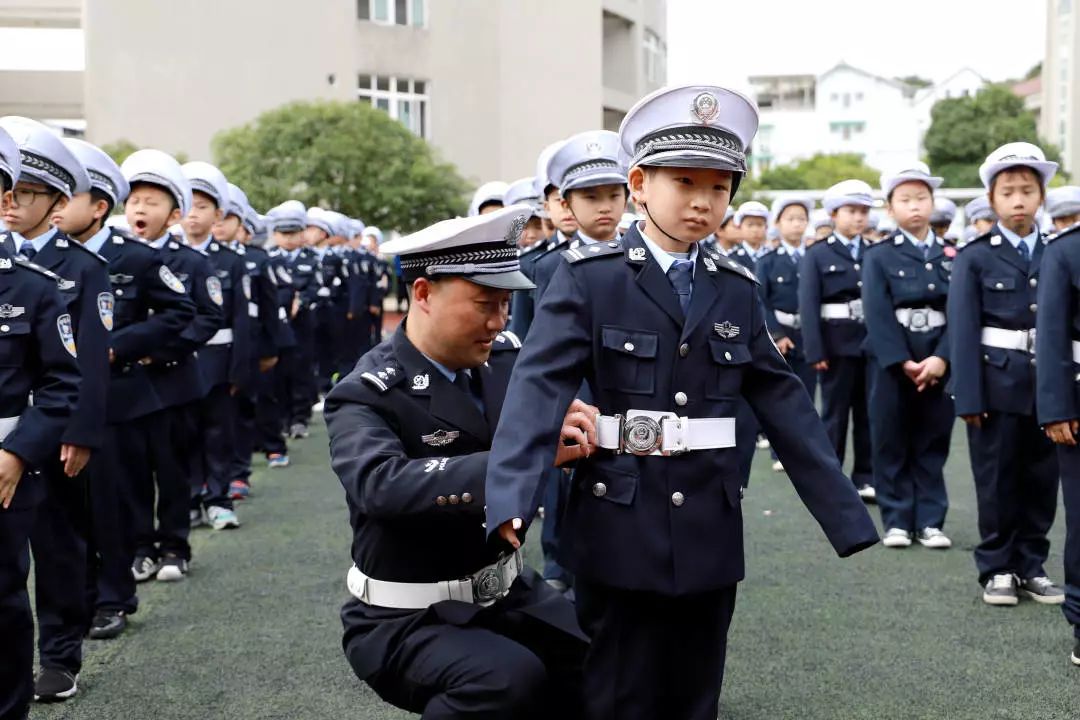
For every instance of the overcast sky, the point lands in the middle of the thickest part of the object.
(725, 41)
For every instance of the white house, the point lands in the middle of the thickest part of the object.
(846, 110)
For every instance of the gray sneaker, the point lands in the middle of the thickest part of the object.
(1001, 590)
(1043, 590)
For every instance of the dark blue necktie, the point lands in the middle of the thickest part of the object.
(27, 250)
(854, 249)
(1022, 248)
(463, 381)
(679, 274)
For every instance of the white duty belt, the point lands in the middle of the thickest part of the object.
(6, 426)
(643, 432)
(791, 320)
(1023, 340)
(481, 588)
(920, 319)
(842, 311)
(1076, 351)
(221, 337)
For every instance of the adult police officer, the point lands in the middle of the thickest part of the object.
(38, 358)
(225, 359)
(150, 309)
(441, 624)
(58, 540)
(1057, 351)
(905, 286)
(653, 528)
(991, 312)
(156, 178)
(830, 284)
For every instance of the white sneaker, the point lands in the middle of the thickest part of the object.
(763, 443)
(222, 518)
(897, 538)
(867, 493)
(934, 539)
(777, 466)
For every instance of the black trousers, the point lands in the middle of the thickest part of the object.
(303, 387)
(505, 665)
(244, 432)
(169, 452)
(213, 449)
(59, 544)
(844, 390)
(653, 656)
(270, 410)
(911, 433)
(1069, 460)
(124, 459)
(16, 620)
(1016, 482)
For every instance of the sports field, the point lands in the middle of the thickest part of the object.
(254, 631)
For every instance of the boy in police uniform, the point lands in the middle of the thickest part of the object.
(441, 622)
(653, 527)
(1063, 206)
(1057, 351)
(37, 357)
(992, 313)
(830, 285)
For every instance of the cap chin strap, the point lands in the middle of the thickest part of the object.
(657, 225)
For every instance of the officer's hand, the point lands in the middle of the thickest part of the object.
(112, 356)
(74, 458)
(1064, 432)
(508, 532)
(577, 438)
(785, 345)
(373, 309)
(267, 363)
(932, 369)
(11, 471)
(295, 306)
(349, 315)
(975, 421)
(912, 370)
(822, 366)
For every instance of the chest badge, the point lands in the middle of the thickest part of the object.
(11, 311)
(637, 254)
(421, 382)
(726, 330)
(440, 438)
(709, 264)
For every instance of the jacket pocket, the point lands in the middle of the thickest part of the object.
(628, 361)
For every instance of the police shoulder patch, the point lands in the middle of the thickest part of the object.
(595, 250)
(213, 289)
(105, 305)
(67, 334)
(170, 280)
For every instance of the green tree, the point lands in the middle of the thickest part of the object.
(964, 130)
(349, 157)
(818, 172)
(915, 81)
(119, 150)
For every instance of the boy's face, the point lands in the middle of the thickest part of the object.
(983, 225)
(314, 235)
(597, 209)
(1066, 221)
(940, 229)
(560, 216)
(792, 224)
(489, 207)
(288, 240)
(30, 205)
(911, 205)
(150, 211)
(203, 214)
(1016, 195)
(688, 203)
(851, 220)
(532, 234)
(754, 230)
(242, 235)
(227, 229)
(80, 213)
(823, 232)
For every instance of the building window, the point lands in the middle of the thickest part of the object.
(655, 56)
(847, 129)
(404, 99)
(393, 12)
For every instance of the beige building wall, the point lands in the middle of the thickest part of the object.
(1060, 117)
(40, 13)
(503, 78)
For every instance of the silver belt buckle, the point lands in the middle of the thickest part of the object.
(488, 585)
(919, 321)
(643, 435)
(856, 308)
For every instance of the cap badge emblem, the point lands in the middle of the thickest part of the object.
(594, 149)
(705, 108)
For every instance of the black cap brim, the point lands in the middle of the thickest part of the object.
(514, 280)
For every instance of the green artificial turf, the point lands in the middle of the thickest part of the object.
(253, 633)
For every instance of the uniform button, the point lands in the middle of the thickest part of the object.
(677, 499)
(466, 498)
(727, 356)
(931, 286)
(455, 500)
(779, 279)
(858, 284)
(441, 500)
(999, 286)
(1032, 361)
(832, 268)
(858, 266)
(901, 273)
(929, 266)
(1033, 282)
(680, 398)
(599, 489)
(4, 328)
(1033, 307)
(119, 292)
(629, 347)
(684, 350)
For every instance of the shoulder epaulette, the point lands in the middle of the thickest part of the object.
(596, 250)
(383, 376)
(185, 246)
(736, 267)
(1061, 233)
(88, 251)
(978, 240)
(24, 263)
(506, 340)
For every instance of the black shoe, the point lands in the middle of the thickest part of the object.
(1076, 653)
(55, 685)
(108, 624)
